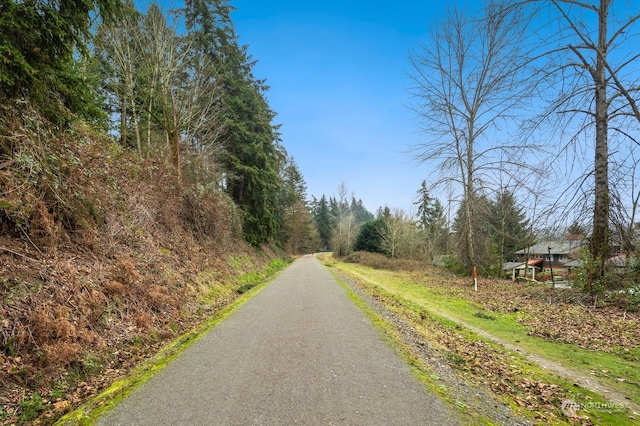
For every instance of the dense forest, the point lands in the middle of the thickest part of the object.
(187, 97)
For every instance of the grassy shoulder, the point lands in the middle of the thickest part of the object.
(239, 291)
(431, 380)
(530, 389)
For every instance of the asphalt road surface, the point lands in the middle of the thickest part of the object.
(299, 352)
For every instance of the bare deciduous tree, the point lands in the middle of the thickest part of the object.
(153, 73)
(345, 232)
(592, 54)
(397, 236)
(469, 87)
(119, 45)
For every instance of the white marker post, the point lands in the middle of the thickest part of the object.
(475, 279)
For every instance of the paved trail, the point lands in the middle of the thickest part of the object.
(299, 352)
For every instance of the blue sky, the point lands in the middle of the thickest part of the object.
(338, 72)
(339, 77)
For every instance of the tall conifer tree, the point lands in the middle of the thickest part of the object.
(252, 152)
(39, 41)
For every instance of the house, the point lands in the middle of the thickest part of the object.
(557, 255)
(522, 269)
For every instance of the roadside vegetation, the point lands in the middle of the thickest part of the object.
(142, 189)
(600, 345)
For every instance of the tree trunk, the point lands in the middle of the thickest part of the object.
(123, 121)
(600, 238)
(470, 246)
(469, 199)
(175, 142)
(136, 124)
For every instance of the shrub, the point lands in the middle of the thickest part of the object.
(628, 299)
(453, 264)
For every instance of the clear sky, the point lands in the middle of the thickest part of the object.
(338, 71)
(339, 77)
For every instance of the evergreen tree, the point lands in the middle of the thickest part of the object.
(482, 255)
(432, 224)
(370, 237)
(252, 152)
(427, 210)
(334, 211)
(39, 42)
(360, 212)
(576, 229)
(297, 234)
(323, 220)
(509, 227)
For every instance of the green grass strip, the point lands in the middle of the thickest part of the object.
(431, 381)
(416, 297)
(621, 375)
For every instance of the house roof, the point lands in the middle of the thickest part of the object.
(557, 247)
(619, 261)
(520, 265)
(511, 265)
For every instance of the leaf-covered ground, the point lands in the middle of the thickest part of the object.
(556, 315)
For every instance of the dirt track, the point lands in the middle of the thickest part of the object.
(299, 352)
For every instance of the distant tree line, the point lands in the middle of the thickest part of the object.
(338, 221)
(501, 226)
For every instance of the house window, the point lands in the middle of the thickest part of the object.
(548, 258)
(563, 258)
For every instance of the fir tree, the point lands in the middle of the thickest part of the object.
(39, 42)
(322, 217)
(370, 237)
(509, 227)
(252, 153)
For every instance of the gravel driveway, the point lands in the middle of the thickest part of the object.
(299, 352)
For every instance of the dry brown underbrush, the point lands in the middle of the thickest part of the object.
(380, 261)
(99, 253)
